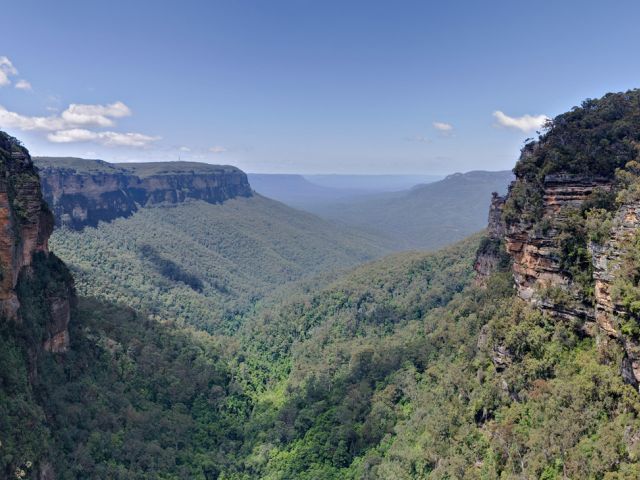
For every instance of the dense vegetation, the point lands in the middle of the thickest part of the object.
(133, 399)
(404, 368)
(205, 264)
(401, 369)
(594, 139)
(427, 216)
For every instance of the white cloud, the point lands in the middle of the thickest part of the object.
(98, 115)
(185, 149)
(23, 85)
(10, 119)
(6, 70)
(67, 127)
(72, 135)
(443, 127)
(105, 138)
(75, 123)
(525, 123)
(217, 149)
(76, 115)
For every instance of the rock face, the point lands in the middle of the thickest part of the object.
(85, 198)
(25, 226)
(535, 251)
(488, 257)
(607, 259)
(84, 192)
(538, 271)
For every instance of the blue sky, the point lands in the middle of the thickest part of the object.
(306, 86)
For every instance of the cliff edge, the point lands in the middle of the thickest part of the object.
(570, 224)
(84, 192)
(35, 286)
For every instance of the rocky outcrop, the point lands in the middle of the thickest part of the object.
(572, 225)
(489, 255)
(538, 273)
(535, 250)
(607, 259)
(85, 192)
(79, 198)
(25, 226)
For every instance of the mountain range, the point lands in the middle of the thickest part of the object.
(425, 216)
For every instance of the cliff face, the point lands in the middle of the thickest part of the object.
(539, 274)
(79, 199)
(536, 249)
(570, 225)
(25, 226)
(541, 249)
(611, 315)
(489, 258)
(84, 192)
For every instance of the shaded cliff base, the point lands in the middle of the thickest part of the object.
(106, 408)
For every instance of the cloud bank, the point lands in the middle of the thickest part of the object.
(75, 122)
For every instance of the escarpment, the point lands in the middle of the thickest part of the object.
(84, 192)
(570, 224)
(35, 287)
(615, 274)
(490, 254)
(538, 249)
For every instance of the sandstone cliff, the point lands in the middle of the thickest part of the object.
(537, 252)
(538, 266)
(609, 257)
(570, 225)
(25, 226)
(84, 192)
(489, 256)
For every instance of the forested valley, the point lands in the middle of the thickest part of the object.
(243, 339)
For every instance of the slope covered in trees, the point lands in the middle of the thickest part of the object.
(132, 399)
(407, 369)
(402, 369)
(205, 264)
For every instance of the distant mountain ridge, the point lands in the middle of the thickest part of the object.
(84, 192)
(296, 191)
(313, 192)
(372, 183)
(425, 216)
